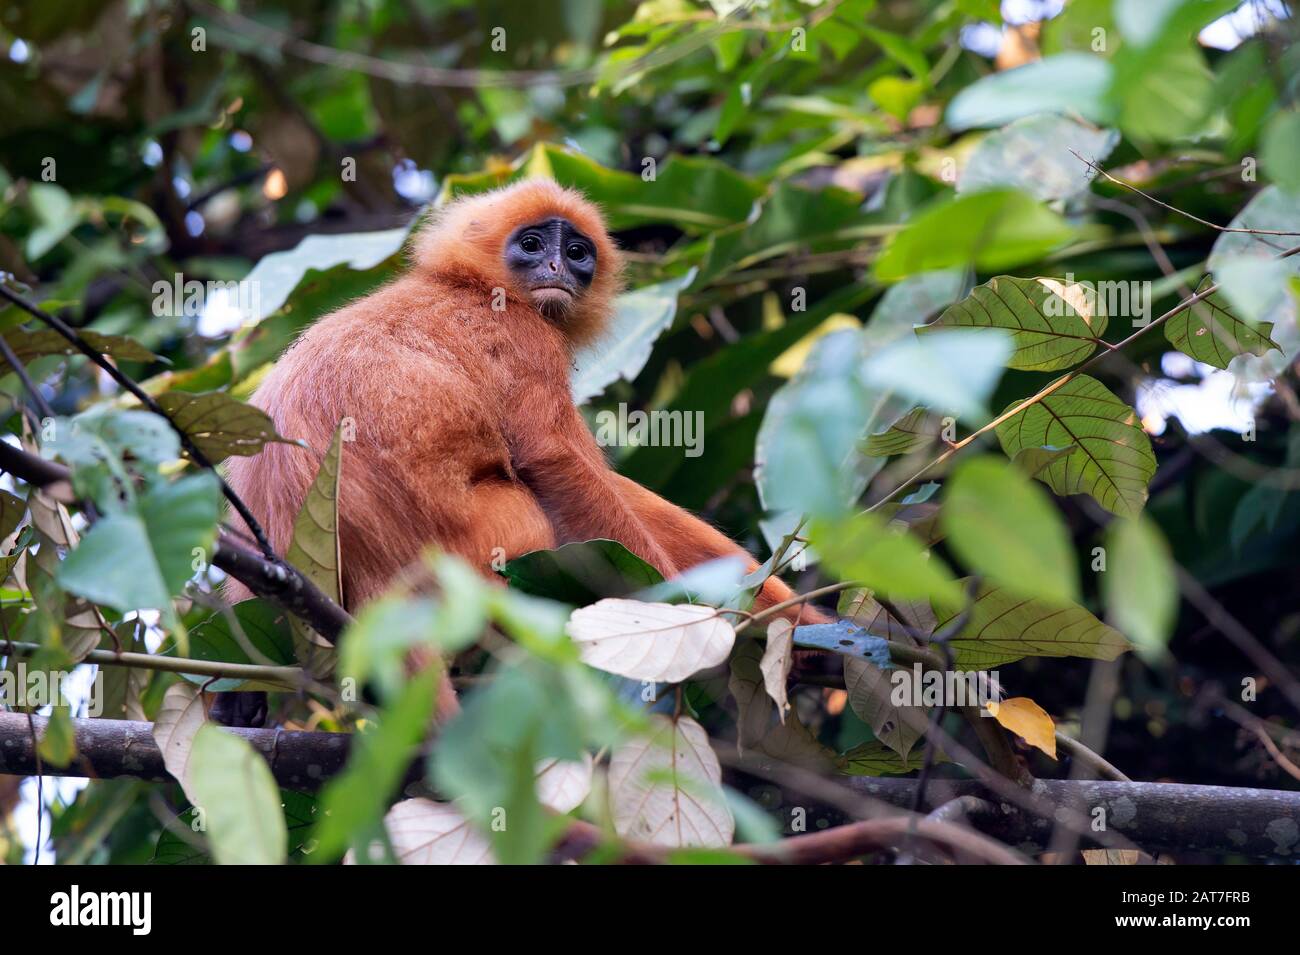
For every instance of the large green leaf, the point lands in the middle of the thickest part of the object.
(354, 801)
(950, 371)
(789, 218)
(864, 549)
(1004, 627)
(1162, 97)
(640, 317)
(1067, 82)
(277, 275)
(806, 455)
(1113, 462)
(234, 788)
(1004, 526)
(140, 558)
(991, 230)
(260, 635)
(1053, 325)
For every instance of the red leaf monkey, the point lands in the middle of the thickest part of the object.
(456, 376)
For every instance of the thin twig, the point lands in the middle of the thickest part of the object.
(1165, 205)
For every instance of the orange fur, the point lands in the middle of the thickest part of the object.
(466, 435)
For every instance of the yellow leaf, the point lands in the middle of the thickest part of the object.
(791, 360)
(1027, 720)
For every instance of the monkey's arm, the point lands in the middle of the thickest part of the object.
(690, 541)
(566, 470)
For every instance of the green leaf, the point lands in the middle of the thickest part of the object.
(219, 424)
(622, 350)
(1066, 82)
(950, 371)
(299, 816)
(239, 798)
(582, 572)
(1033, 154)
(1139, 585)
(314, 546)
(874, 758)
(916, 429)
(1004, 527)
(992, 230)
(12, 511)
(863, 548)
(1004, 627)
(56, 214)
(1210, 332)
(277, 275)
(1265, 299)
(806, 457)
(140, 558)
(314, 550)
(266, 640)
(487, 757)
(1279, 148)
(789, 218)
(1053, 325)
(1162, 97)
(58, 743)
(353, 802)
(45, 341)
(1113, 463)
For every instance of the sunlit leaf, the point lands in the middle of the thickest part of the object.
(1053, 325)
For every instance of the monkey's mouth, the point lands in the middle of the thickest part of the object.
(552, 298)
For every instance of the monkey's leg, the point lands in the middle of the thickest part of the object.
(690, 541)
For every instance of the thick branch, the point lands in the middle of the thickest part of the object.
(1256, 823)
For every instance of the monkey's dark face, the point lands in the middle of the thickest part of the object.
(553, 261)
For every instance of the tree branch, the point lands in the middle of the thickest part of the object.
(1256, 823)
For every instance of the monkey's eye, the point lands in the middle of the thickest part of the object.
(531, 244)
(577, 252)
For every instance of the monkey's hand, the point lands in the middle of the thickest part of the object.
(239, 708)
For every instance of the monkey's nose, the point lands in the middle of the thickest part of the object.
(554, 266)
